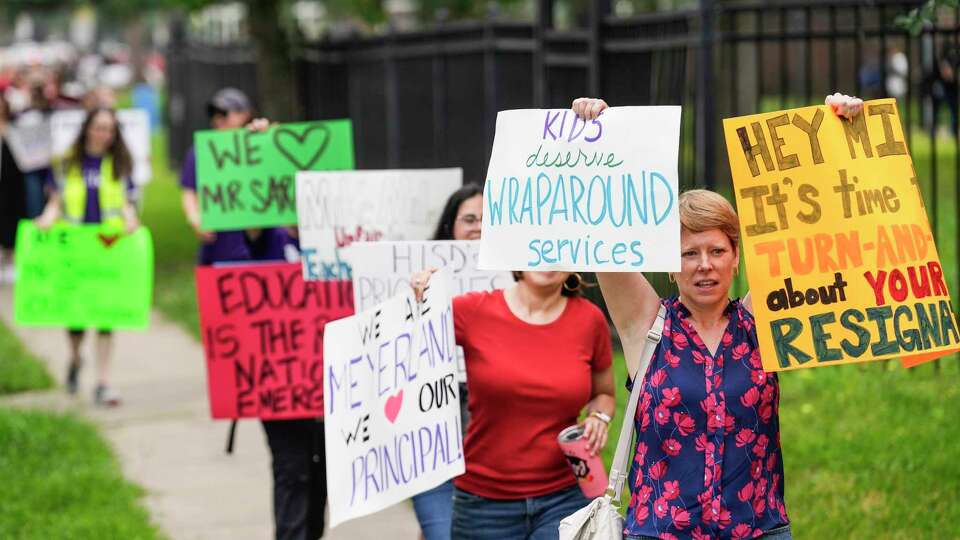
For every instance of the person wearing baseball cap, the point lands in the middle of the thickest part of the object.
(296, 446)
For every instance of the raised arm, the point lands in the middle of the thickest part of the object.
(191, 209)
(633, 305)
(632, 301)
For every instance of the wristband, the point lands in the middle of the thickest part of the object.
(605, 418)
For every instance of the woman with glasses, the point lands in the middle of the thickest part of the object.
(460, 220)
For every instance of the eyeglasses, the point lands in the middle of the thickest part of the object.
(470, 219)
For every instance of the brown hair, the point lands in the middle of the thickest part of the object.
(702, 210)
(122, 162)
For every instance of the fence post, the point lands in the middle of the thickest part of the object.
(489, 80)
(176, 100)
(599, 9)
(542, 22)
(706, 102)
(392, 99)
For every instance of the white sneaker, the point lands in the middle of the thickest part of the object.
(104, 396)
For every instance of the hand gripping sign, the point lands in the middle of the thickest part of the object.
(80, 276)
(245, 178)
(382, 269)
(601, 195)
(839, 253)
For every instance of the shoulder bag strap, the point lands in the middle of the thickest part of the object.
(618, 469)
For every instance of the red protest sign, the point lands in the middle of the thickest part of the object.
(262, 329)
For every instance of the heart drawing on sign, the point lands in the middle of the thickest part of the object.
(108, 240)
(296, 147)
(392, 407)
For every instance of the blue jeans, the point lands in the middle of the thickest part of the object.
(780, 533)
(434, 509)
(34, 197)
(535, 518)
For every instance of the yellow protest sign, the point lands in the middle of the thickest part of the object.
(839, 253)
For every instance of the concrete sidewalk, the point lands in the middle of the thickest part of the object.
(167, 443)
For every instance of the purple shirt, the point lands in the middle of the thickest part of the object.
(90, 172)
(235, 246)
(188, 172)
(708, 461)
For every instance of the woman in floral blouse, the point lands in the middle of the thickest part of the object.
(708, 462)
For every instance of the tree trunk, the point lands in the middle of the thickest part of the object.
(134, 36)
(276, 79)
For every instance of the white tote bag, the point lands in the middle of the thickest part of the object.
(601, 520)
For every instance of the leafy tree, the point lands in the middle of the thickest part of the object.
(919, 16)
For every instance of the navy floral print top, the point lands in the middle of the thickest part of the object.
(708, 461)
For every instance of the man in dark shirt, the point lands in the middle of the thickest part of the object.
(296, 446)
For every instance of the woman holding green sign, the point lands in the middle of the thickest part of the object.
(92, 185)
(707, 461)
(460, 220)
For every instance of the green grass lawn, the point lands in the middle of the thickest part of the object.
(19, 370)
(174, 243)
(61, 481)
(58, 478)
(870, 451)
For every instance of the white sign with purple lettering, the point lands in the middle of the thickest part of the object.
(600, 195)
(381, 269)
(391, 401)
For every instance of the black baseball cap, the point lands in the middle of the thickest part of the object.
(228, 100)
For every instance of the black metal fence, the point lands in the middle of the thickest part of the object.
(429, 98)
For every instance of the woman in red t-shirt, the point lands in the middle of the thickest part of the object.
(537, 354)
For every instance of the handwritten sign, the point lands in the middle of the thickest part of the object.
(65, 126)
(30, 145)
(840, 256)
(382, 270)
(563, 194)
(262, 329)
(246, 179)
(392, 421)
(75, 276)
(336, 209)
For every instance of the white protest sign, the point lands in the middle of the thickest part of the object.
(383, 269)
(338, 208)
(30, 144)
(563, 194)
(391, 403)
(134, 127)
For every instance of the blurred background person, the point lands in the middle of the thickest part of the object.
(296, 446)
(92, 185)
(12, 200)
(460, 220)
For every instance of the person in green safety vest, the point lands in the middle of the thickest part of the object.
(91, 184)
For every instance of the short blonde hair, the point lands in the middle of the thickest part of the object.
(702, 210)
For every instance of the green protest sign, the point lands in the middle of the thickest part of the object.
(76, 276)
(245, 179)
